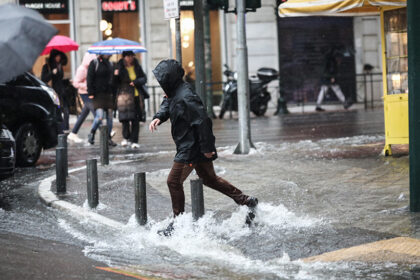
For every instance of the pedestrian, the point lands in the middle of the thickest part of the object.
(53, 72)
(101, 90)
(329, 79)
(80, 83)
(192, 133)
(130, 80)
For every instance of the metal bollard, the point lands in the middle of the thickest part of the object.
(62, 143)
(60, 179)
(92, 183)
(104, 145)
(197, 199)
(140, 197)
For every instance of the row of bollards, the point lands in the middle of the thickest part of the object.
(197, 200)
(61, 157)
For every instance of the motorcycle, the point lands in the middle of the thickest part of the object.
(259, 96)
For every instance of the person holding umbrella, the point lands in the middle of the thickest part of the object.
(53, 71)
(130, 79)
(100, 89)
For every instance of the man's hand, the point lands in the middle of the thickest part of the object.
(91, 96)
(209, 155)
(153, 124)
(116, 72)
(132, 84)
(55, 70)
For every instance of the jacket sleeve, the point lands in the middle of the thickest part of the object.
(201, 123)
(141, 78)
(79, 80)
(46, 74)
(163, 113)
(90, 79)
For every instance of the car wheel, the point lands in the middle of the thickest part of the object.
(28, 145)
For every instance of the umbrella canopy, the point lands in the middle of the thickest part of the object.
(295, 8)
(61, 43)
(116, 46)
(24, 34)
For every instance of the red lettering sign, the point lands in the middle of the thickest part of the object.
(119, 6)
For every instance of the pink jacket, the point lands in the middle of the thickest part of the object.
(79, 80)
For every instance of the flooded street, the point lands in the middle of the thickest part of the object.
(316, 195)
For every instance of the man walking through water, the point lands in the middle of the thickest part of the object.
(192, 132)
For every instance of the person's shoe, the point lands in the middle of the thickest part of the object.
(111, 143)
(112, 134)
(73, 137)
(135, 146)
(124, 143)
(167, 231)
(347, 104)
(252, 203)
(319, 109)
(91, 138)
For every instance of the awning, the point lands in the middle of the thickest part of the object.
(299, 8)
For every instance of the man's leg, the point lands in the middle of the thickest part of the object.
(321, 95)
(205, 171)
(126, 129)
(135, 129)
(337, 90)
(176, 178)
(109, 121)
(83, 114)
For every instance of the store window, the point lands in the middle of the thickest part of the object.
(187, 42)
(395, 22)
(57, 12)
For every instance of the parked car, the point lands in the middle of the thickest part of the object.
(7, 153)
(31, 110)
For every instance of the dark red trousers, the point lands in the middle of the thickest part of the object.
(205, 171)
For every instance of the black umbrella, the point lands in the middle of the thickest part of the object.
(24, 33)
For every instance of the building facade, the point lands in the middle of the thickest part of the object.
(88, 21)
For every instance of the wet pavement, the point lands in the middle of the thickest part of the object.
(320, 179)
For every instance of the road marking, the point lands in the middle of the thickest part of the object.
(125, 273)
(396, 250)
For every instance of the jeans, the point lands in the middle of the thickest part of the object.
(99, 116)
(205, 171)
(324, 88)
(87, 107)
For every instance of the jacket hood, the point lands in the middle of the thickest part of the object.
(87, 58)
(169, 74)
(53, 54)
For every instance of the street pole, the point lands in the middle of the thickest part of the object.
(281, 102)
(178, 41)
(243, 87)
(413, 34)
(200, 74)
(208, 60)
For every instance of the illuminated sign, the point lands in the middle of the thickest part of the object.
(47, 7)
(119, 6)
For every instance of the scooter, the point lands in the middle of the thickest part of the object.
(259, 96)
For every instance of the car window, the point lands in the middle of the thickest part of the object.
(21, 80)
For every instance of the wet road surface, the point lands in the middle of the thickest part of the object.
(23, 216)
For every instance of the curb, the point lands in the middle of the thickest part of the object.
(50, 199)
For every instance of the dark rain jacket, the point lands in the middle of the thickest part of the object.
(100, 83)
(56, 79)
(128, 108)
(191, 127)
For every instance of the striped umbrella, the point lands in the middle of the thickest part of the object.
(116, 46)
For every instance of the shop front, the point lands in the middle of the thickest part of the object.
(187, 43)
(59, 13)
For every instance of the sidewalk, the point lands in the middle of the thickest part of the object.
(319, 177)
